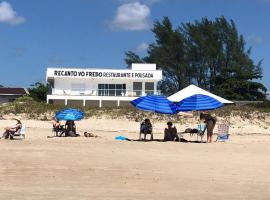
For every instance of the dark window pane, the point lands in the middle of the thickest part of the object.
(111, 86)
(137, 85)
(119, 86)
(111, 92)
(119, 92)
(149, 86)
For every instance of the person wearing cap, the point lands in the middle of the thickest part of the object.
(170, 133)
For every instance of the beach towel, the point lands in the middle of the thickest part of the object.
(120, 137)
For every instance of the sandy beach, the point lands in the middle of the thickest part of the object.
(103, 168)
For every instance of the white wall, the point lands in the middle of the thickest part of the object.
(66, 83)
(6, 99)
(143, 66)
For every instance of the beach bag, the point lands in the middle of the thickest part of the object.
(72, 134)
(89, 134)
(190, 130)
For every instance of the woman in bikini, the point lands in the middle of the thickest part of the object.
(210, 122)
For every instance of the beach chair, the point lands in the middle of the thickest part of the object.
(145, 130)
(58, 131)
(223, 133)
(20, 133)
(201, 129)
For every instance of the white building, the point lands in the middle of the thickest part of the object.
(101, 87)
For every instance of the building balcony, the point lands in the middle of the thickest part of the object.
(103, 92)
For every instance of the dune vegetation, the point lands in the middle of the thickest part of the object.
(31, 109)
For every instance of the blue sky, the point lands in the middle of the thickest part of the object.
(36, 34)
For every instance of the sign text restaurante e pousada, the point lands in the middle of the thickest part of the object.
(102, 74)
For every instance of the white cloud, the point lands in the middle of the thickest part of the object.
(131, 17)
(9, 15)
(141, 48)
(254, 39)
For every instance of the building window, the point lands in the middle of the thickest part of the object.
(111, 89)
(137, 88)
(149, 88)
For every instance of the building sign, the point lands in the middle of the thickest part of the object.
(127, 74)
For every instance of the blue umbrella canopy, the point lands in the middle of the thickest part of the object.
(69, 114)
(198, 102)
(155, 103)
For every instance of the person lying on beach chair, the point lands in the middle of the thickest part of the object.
(146, 128)
(12, 131)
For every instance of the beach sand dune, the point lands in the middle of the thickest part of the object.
(103, 168)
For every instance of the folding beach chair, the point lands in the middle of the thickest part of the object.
(20, 133)
(223, 133)
(201, 129)
(58, 131)
(146, 129)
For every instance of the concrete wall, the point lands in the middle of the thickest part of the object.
(74, 102)
(125, 104)
(91, 103)
(109, 103)
(58, 102)
(8, 98)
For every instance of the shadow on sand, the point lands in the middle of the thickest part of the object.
(161, 140)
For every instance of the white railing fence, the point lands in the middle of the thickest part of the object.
(104, 92)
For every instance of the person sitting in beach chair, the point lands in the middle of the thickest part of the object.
(170, 133)
(146, 128)
(70, 129)
(20, 134)
(223, 133)
(58, 129)
(10, 132)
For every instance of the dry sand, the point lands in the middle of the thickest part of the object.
(103, 168)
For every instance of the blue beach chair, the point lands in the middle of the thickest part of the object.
(223, 133)
(201, 129)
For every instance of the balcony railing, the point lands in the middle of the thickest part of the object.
(104, 92)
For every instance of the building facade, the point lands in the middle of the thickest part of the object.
(8, 94)
(101, 87)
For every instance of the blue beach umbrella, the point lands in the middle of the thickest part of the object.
(198, 102)
(69, 114)
(155, 103)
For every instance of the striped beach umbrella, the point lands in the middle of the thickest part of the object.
(155, 103)
(69, 114)
(198, 102)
